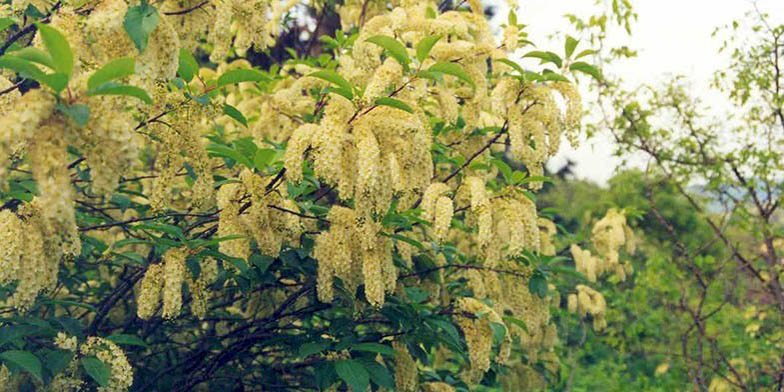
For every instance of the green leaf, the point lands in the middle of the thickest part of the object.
(57, 360)
(353, 373)
(128, 340)
(587, 69)
(512, 64)
(113, 88)
(373, 348)
(404, 239)
(240, 75)
(79, 113)
(115, 69)
(188, 67)
(515, 321)
(379, 374)
(140, 21)
(232, 112)
(546, 57)
(453, 69)
(570, 45)
(35, 55)
(395, 49)
(311, 348)
(538, 284)
(23, 359)
(264, 157)
(6, 22)
(425, 45)
(586, 52)
(512, 18)
(58, 48)
(395, 103)
(96, 369)
(28, 70)
(227, 152)
(344, 88)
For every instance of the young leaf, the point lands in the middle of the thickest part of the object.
(584, 53)
(58, 48)
(395, 103)
(188, 67)
(79, 113)
(241, 75)
(115, 69)
(393, 47)
(570, 45)
(453, 69)
(353, 373)
(587, 69)
(343, 86)
(96, 369)
(425, 45)
(139, 22)
(112, 88)
(23, 359)
(35, 55)
(232, 112)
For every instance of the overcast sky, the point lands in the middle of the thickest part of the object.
(673, 37)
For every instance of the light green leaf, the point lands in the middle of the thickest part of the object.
(96, 369)
(140, 21)
(344, 88)
(188, 67)
(6, 22)
(546, 57)
(58, 48)
(28, 70)
(115, 69)
(453, 69)
(23, 359)
(35, 55)
(79, 113)
(241, 75)
(393, 47)
(425, 45)
(264, 157)
(112, 88)
(128, 340)
(586, 52)
(515, 321)
(353, 373)
(587, 69)
(232, 112)
(512, 64)
(395, 103)
(570, 45)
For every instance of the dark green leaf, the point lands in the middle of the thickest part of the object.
(518, 322)
(425, 45)
(57, 360)
(115, 69)
(373, 348)
(395, 49)
(58, 48)
(379, 374)
(395, 103)
(140, 21)
(353, 373)
(188, 67)
(97, 370)
(232, 112)
(128, 340)
(23, 359)
(538, 284)
(240, 75)
(310, 348)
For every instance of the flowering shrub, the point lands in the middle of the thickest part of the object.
(178, 217)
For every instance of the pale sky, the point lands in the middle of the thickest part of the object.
(672, 37)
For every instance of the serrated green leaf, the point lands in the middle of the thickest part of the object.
(79, 113)
(188, 67)
(240, 75)
(344, 88)
(113, 88)
(139, 22)
(587, 69)
(34, 55)
(353, 373)
(24, 360)
(546, 57)
(128, 340)
(453, 69)
(570, 45)
(58, 48)
(395, 103)
(115, 69)
(395, 49)
(97, 370)
(425, 45)
(232, 112)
